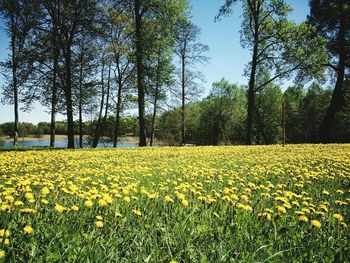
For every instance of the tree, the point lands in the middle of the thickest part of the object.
(276, 44)
(167, 13)
(190, 52)
(293, 98)
(222, 113)
(20, 18)
(332, 21)
(314, 107)
(268, 115)
(120, 48)
(74, 17)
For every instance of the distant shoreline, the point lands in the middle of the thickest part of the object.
(46, 137)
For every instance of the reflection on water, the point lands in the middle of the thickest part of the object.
(63, 144)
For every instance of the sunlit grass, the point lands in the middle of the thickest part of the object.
(196, 204)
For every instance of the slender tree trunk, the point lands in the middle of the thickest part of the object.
(156, 95)
(68, 93)
(14, 81)
(183, 95)
(117, 115)
(15, 97)
(54, 77)
(337, 101)
(140, 73)
(251, 87)
(99, 120)
(81, 99)
(283, 122)
(107, 96)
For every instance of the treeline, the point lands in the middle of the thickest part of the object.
(128, 127)
(104, 58)
(220, 118)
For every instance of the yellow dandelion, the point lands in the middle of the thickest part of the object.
(89, 203)
(167, 198)
(59, 208)
(184, 202)
(99, 224)
(316, 223)
(137, 212)
(117, 214)
(2, 253)
(4, 232)
(303, 218)
(338, 217)
(102, 202)
(28, 230)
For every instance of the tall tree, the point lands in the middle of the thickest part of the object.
(276, 44)
(332, 21)
(167, 13)
(190, 52)
(19, 18)
(74, 16)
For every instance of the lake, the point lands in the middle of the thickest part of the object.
(63, 144)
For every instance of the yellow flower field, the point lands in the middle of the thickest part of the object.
(195, 204)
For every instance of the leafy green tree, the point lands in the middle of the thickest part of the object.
(332, 21)
(19, 18)
(276, 44)
(167, 13)
(293, 98)
(189, 52)
(222, 114)
(314, 107)
(268, 115)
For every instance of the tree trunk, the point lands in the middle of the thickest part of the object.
(80, 99)
(337, 101)
(107, 96)
(155, 101)
(99, 120)
(183, 95)
(117, 116)
(14, 82)
(54, 79)
(140, 73)
(69, 102)
(251, 87)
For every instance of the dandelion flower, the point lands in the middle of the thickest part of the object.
(316, 223)
(99, 224)
(28, 229)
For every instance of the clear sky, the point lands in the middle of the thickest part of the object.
(227, 57)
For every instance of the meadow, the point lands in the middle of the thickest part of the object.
(176, 204)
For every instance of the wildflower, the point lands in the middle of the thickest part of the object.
(2, 253)
(117, 214)
(4, 232)
(338, 217)
(303, 218)
(167, 198)
(45, 191)
(89, 203)
(59, 208)
(28, 229)
(18, 203)
(102, 202)
(137, 212)
(316, 223)
(99, 224)
(44, 201)
(100, 218)
(127, 199)
(184, 202)
(75, 208)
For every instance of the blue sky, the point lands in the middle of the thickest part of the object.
(227, 58)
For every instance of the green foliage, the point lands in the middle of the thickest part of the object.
(268, 115)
